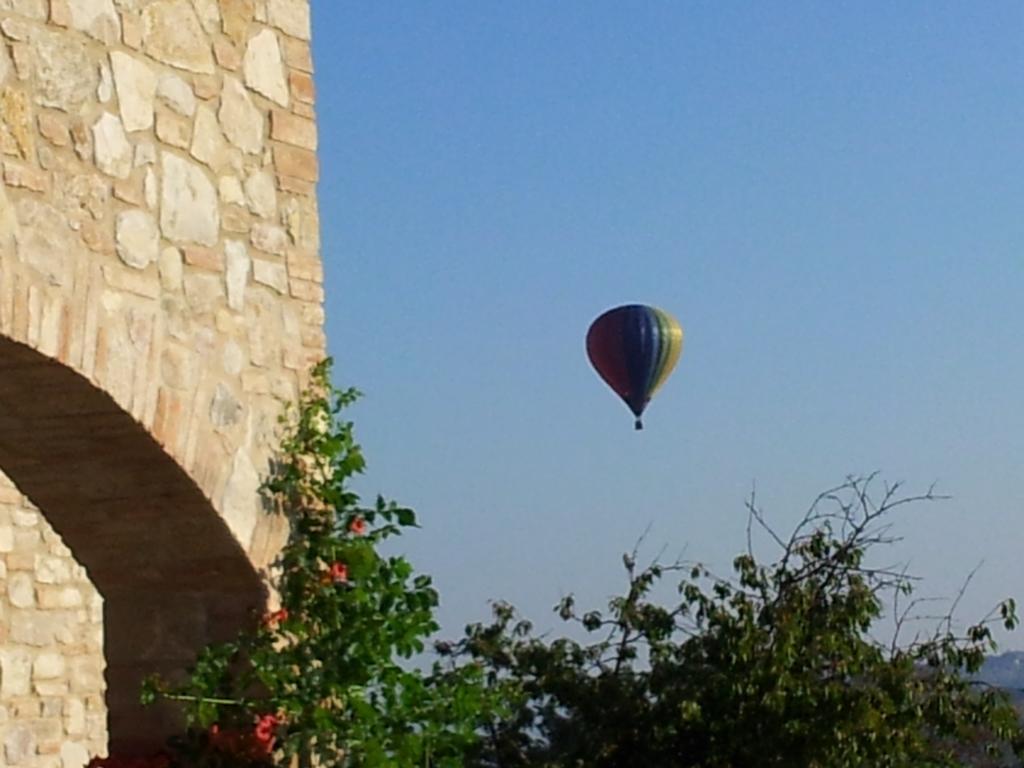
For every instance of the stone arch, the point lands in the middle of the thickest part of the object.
(160, 296)
(171, 574)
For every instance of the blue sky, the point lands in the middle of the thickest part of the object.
(830, 198)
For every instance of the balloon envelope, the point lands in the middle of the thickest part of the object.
(634, 349)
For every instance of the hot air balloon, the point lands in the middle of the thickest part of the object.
(634, 349)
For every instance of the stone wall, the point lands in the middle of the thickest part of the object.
(160, 296)
(51, 645)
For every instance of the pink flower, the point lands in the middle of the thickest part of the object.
(338, 573)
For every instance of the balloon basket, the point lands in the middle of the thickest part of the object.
(638, 425)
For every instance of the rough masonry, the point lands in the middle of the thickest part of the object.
(160, 298)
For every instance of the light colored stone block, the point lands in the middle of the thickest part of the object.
(177, 94)
(271, 273)
(172, 33)
(236, 274)
(188, 205)
(135, 83)
(261, 194)
(290, 16)
(15, 672)
(97, 18)
(208, 143)
(137, 238)
(264, 67)
(112, 150)
(243, 124)
(170, 269)
(65, 75)
(48, 666)
(73, 755)
(21, 590)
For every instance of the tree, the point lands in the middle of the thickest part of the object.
(775, 666)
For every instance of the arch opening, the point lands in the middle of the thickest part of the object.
(171, 575)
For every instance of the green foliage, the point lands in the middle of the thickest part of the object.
(321, 679)
(773, 667)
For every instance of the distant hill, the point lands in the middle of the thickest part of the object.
(1005, 671)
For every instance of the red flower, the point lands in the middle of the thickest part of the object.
(338, 573)
(255, 744)
(357, 526)
(275, 617)
(264, 732)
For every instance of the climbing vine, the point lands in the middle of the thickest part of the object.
(325, 678)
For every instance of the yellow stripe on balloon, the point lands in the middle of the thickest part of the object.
(671, 348)
(664, 347)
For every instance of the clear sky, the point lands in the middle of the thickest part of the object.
(830, 198)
